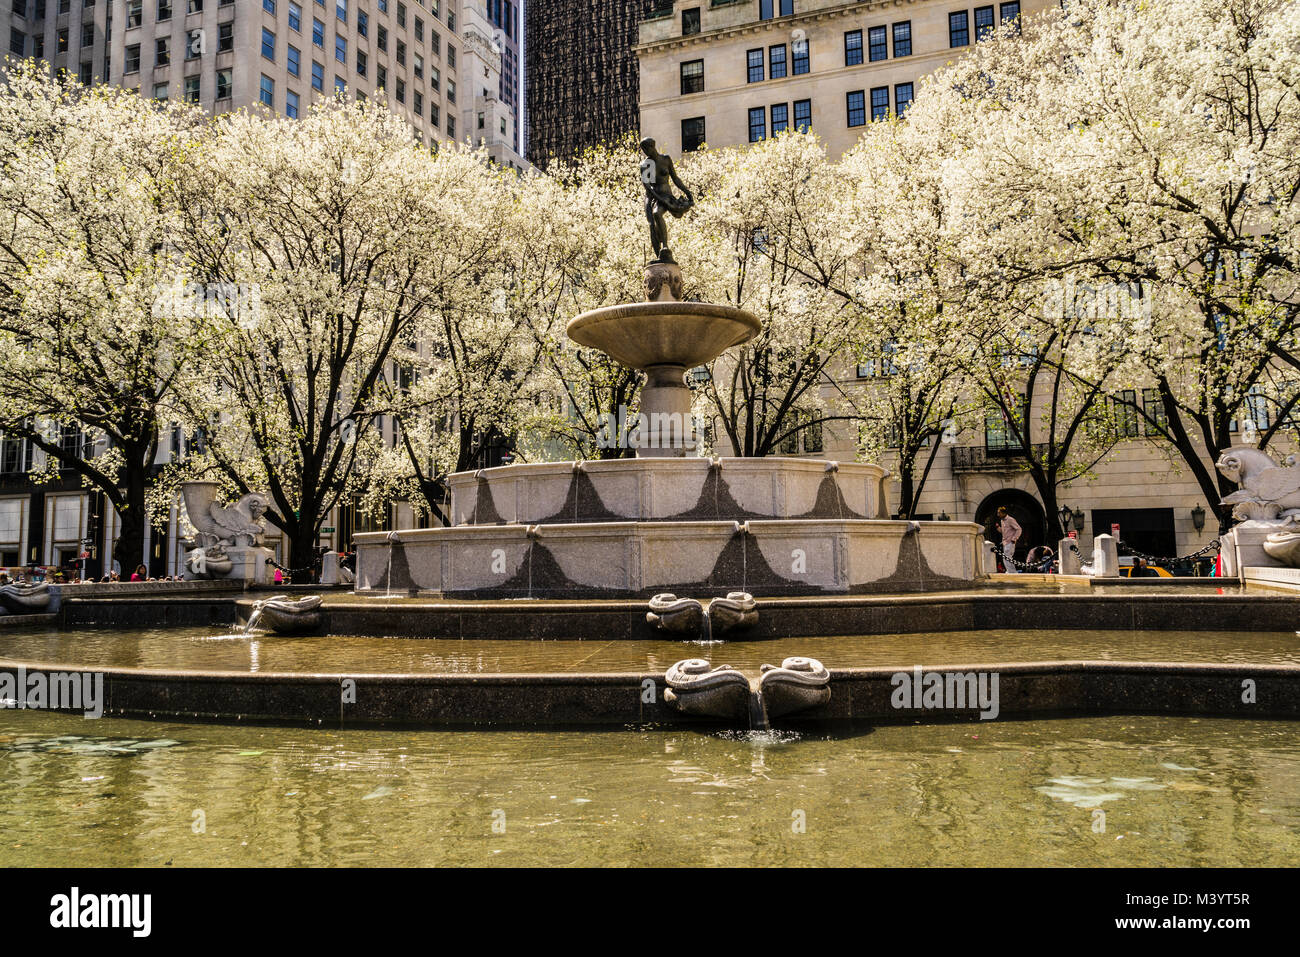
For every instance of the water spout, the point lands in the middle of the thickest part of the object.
(757, 709)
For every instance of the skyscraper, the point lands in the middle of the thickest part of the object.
(581, 73)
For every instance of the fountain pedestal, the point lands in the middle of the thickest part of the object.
(663, 338)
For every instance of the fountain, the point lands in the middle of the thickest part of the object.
(723, 692)
(666, 522)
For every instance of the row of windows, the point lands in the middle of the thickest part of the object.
(194, 47)
(959, 23)
(776, 62)
(780, 115)
(135, 10)
(266, 94)
(878, 43)
(857, 103)
(362, 64)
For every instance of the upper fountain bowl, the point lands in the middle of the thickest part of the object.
(644, 334)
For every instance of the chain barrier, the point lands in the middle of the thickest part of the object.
(1212, 546)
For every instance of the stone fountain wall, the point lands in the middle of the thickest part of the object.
(625, 528)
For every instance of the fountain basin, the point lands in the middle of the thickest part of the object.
(641, 559)
(644, 334)
(668, 489)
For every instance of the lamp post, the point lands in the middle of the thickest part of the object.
(1198, 518)
(1066, 515)
(1078, 520)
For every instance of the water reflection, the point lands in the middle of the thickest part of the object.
(1173, 791)
(203, 648)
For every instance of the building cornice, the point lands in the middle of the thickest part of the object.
(755, 27)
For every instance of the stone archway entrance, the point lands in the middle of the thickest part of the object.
(1024, 508)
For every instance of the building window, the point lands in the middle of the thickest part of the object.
(269, 6)
(17, 42)
(692, 77)
(196, 6)
(902, 98)
(341, 10)
(267, 93)
(803, 115)
(879, 103)
(983, 22)
(160, 92)
(780, 118)
(318, 33)
(776, 61)
(878, 43)
(363, 23)
(435, 115)
(800, 64)
(341, 49)
(451, 91)
(766, 8)
(86, 76)
(294, 59)
(754, 59)
(1126, 414)
(417, 66)
(193, 89)
(194, 43)
(1010, 12)
(853, 48)
(857, 108)
(134, 13)
(361, 63)
(61, 41)
(757, 124)
(958, 29)
(161, 51)
(340, 86)
(1154, 406)
(164, 10)
(87, 34)
(401, 14)
(690, 21)
(381, 37)
(268, 44)
(317, 77)
(435, 79)
(451, 126)
(903, 38)
(295, 17)
(1002, 434)
(291, 104)
(225, 37)
(381, 77)
(225, 89)
(401, 91)
(401, 53)
(692, 133)
(131, 63)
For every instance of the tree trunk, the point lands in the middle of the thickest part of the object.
(128, 549)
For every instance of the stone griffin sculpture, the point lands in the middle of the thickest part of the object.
(1267, 504)
(238, 524)
(1267, 491)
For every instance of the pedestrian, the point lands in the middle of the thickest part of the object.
(1009, 529)
(140, 574)
(1142, 570)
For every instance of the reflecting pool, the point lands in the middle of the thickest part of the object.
(207, 648)
(1095, 791)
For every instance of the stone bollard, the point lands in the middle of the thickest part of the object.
(329, 569)
(1105, 557)
(990, 558)
(1069, 558)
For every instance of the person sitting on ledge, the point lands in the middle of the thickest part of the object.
(140, 574)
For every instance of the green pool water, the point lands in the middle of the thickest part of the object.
(207, 648)
(1173, 791)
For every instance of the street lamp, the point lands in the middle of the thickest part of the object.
(944, 517)
(1198, 518)
(1066, 515)
(1078, 520)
